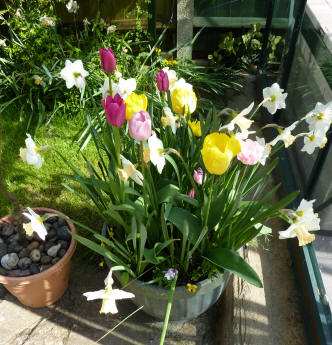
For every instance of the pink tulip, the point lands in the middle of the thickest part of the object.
(162, 81)
(198, 176)
(115, 110)
(251, 152)
(140, 126)
(192, 193)
(108, 62)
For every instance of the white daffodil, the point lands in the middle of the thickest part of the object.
(111, 29)
(124, 88)
(181, 84)
(30, 153)
(302, 221)
(168, 119)
(3, 43)
(157, 152)
(266, 152)
(320, 118)
(285, 135)
(129, 171)
(240, 120)
(74, 74)
(117, 74)
(313, 140)
(36, 224)
(274, 98)
(47, 21)
(172, 78)
(108, 295)
(105, 89)
(72, 6)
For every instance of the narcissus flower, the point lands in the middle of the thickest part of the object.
(196, 128)
(172, 78)
(135, 103)
(240, 120)
(72, 6)
(218, 151)
(251, 152)
(313, 140)
(115, 110)
(266, 150)
(285, 135)
(107, 58)
(35, 225)
(275, 98)
(320, 118)
(184, 101)
(140, 126)
(302, 221)
(74, 74)
(30, 153)
(168, 119)
(108, 295)
(129, 171)
(157, 152)
(124, 87)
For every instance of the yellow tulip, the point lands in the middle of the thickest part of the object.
(218, 151)
(184, 101)
(196, 128)
(135, 103)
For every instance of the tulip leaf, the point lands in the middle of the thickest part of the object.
(177, 216)
(167, 193)
(234, 263)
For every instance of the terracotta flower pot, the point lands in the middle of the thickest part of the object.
(42, 289)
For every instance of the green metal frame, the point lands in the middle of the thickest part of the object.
(316, 310)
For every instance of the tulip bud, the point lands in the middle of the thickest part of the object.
(115, 110)
(191, 193)
(199, 177)
(162, 81)
(140, 126)
(108, 62)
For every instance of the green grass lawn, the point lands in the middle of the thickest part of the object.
(42, 187)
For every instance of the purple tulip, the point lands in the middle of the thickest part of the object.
(198, 176)
(162, 81)
(115, 110)
(108, 62)
(140, 126)
(192, 193)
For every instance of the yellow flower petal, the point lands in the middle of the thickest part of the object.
(135, 103)
(184, 101)
(196, 128)
(218, 151)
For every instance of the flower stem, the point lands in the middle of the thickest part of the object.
(117, 150)
(209, 201)
(144, 182)
(168, 310)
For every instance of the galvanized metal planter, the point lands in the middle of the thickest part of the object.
(186, 305)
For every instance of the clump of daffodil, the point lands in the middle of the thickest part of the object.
(169, 62)
(184, 101)
(196, 128)
(134, 104)
(218, 151)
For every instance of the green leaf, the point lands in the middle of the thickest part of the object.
(264, 230)
(167, 193)
(234, 263)
(177, 216)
